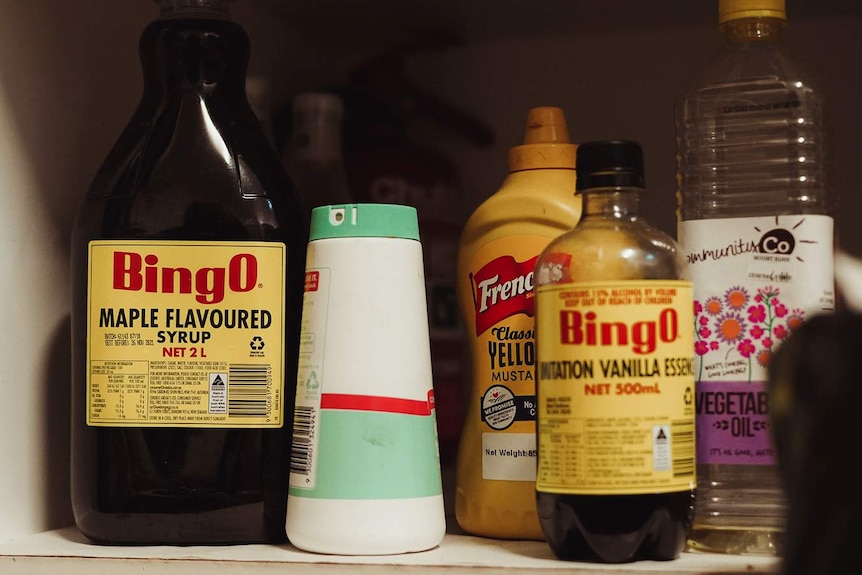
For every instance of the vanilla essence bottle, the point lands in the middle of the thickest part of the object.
(756, 234)
(615, 390)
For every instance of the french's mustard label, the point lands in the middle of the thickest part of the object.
(502, 287)
(185, 333)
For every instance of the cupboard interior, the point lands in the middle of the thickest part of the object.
(70, 79)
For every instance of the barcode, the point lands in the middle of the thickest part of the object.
(682, 447)
(303, 430)
(248, 390)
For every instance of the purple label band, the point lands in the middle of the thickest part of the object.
(733, 423)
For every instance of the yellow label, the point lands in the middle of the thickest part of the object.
(615, 387)
(185, 333)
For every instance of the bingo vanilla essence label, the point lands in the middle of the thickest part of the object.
(615, 387)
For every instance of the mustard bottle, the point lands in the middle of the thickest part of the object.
(499, 245)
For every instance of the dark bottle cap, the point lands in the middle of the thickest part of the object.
(609, 164)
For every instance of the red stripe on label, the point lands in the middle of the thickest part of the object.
(376, 403)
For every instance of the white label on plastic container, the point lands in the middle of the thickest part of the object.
(509, 456)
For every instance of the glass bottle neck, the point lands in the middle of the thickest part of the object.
(753, 29)
(611, 203)
(199, 53)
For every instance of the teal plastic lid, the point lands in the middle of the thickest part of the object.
(364, 221)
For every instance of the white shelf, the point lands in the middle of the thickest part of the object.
(66, 551)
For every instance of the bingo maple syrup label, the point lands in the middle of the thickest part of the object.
(615, 387)
(185, 333)
(502, 286)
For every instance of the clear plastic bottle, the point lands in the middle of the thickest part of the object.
(188, 264)
(614, 336)
(756, 234)
(314, 157)
(496, 459)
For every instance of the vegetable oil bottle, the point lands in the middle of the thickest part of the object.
(757, 231)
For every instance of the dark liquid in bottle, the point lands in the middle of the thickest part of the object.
(192, 164)
(616, 528)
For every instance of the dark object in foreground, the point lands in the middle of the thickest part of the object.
(815, 394)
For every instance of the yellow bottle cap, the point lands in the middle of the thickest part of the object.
(736, 9)
(546, 142)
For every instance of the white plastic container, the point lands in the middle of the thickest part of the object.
(365, 469)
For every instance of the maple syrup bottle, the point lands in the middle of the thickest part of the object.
(188, 265)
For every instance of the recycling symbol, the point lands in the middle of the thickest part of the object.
(687, 396)
(312, 382)
(256, 343)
